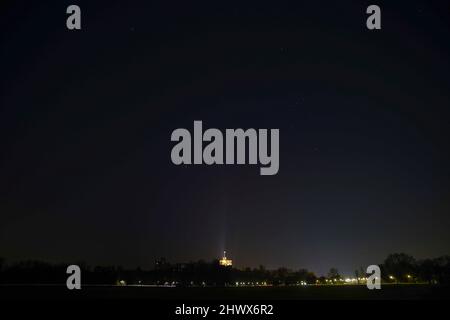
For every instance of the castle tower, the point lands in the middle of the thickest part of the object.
(224, 261)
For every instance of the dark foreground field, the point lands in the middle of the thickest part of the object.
(388, 292)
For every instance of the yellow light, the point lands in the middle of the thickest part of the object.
(225, 262)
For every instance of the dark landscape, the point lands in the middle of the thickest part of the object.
(357, 292)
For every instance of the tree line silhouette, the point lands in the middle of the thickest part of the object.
(396, 268)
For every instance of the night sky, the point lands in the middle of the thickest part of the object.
(86, 118)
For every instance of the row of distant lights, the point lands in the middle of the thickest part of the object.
(301, 283)
(408, 276)
(352, 280)
(346, 280)
(241, 284)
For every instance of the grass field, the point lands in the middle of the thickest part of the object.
(388, 292)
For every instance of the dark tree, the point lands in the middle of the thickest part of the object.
(401, 266)
(334, 274)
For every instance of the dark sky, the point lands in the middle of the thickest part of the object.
(86, 118)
